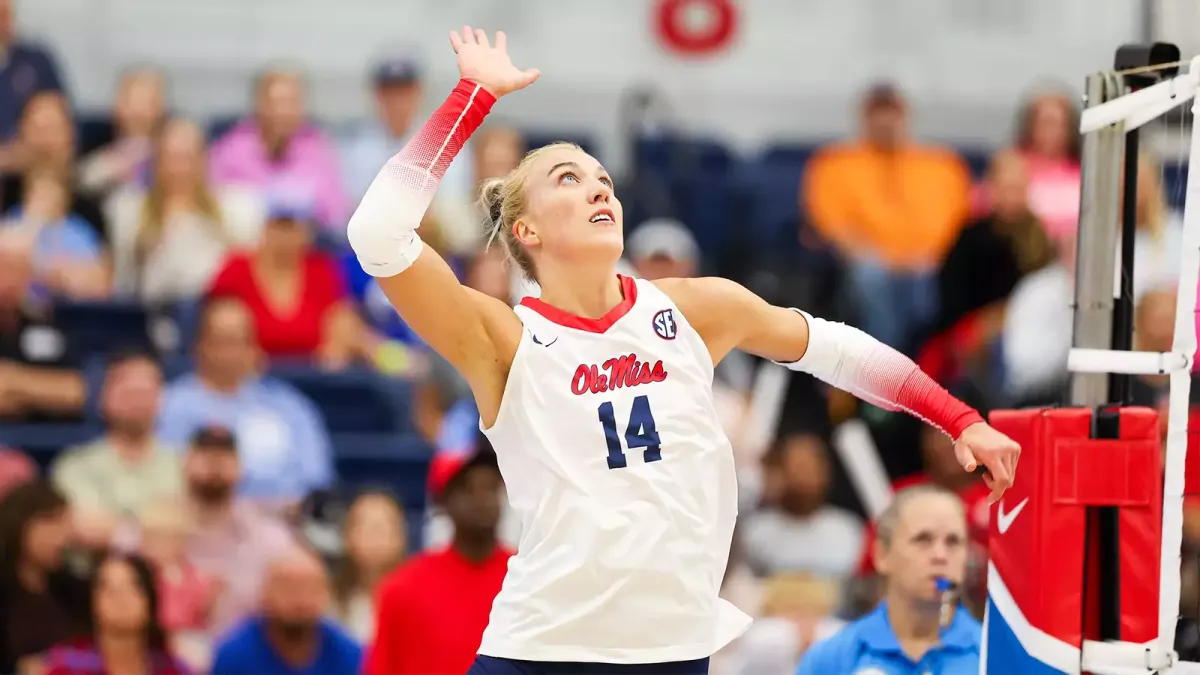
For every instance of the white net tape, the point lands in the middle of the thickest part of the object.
(1180, 391)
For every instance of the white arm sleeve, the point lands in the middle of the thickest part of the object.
(855, 362)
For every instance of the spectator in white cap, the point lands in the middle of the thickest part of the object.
(661, 248)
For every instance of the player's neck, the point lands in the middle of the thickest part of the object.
(585, 292)
(913, 621)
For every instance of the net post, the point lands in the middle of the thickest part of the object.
(1095, 262)
(1095, 257)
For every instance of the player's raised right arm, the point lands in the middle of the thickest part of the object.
(458, 323)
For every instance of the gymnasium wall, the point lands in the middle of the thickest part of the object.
(791, 72)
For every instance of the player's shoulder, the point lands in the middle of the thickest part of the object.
(708, 303)
(703, 294)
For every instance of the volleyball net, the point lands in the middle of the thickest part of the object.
(1088, 579)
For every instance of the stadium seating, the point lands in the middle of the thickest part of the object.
(99, 328)
(354, 401)
(399, 462)
(540, 137)
(43, 442)
(748, 205)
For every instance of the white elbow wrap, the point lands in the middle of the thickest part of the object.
(383, 229)
(831, 347)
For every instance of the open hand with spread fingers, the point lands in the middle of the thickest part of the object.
(489, 65)
(980, 444)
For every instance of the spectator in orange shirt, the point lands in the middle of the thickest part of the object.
(892, 208)
(433, 610)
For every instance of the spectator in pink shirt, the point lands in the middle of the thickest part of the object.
(1048, 139)
(279, 148)
(230, 542)
(15, 469)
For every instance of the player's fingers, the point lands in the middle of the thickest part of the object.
(966, 458)
(997, 491)
(1010, 464)
(501, 41)
(481, 37)
(1000, 472)
(531, 74)
(468, 35)
(455, 40)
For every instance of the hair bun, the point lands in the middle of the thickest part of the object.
(492, 198)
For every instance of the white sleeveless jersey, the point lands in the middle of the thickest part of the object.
(623, 480)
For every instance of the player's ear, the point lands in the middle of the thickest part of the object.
(879, 556)
(525, 233)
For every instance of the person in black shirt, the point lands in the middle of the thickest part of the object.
(994, 252)
(46, 140)
(979, 273)
(39, 375)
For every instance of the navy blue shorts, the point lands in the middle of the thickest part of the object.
(490, 665)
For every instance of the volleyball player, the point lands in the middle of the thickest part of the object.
(598, 400)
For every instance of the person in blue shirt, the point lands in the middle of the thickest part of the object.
(291, 635)
(283, 444)
(26, 68)
(66, 250)
(917, 629)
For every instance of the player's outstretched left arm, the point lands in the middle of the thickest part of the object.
(728, 316)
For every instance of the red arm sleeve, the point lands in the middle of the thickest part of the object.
(855, 362)
(425, 158)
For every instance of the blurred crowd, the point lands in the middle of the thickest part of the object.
(207, 490)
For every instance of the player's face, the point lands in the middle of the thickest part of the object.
(930, 541)
(572, 213)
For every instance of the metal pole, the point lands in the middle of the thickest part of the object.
(1095, 266)
(1095, 259)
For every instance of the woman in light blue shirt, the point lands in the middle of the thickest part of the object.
(67, 253)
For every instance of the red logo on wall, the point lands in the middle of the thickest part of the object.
(696, 27)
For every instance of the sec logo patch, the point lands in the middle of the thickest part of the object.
(664, 324)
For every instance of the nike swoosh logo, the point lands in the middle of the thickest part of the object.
(544, 344)
(1005, 520)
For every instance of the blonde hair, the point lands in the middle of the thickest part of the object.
(152, 220)
(503, 203)
(788, 592)
(1152, 212)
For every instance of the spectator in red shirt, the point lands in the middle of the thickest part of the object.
(295, 292)
(433, 610)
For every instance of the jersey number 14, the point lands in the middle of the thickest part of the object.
(641, 433)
